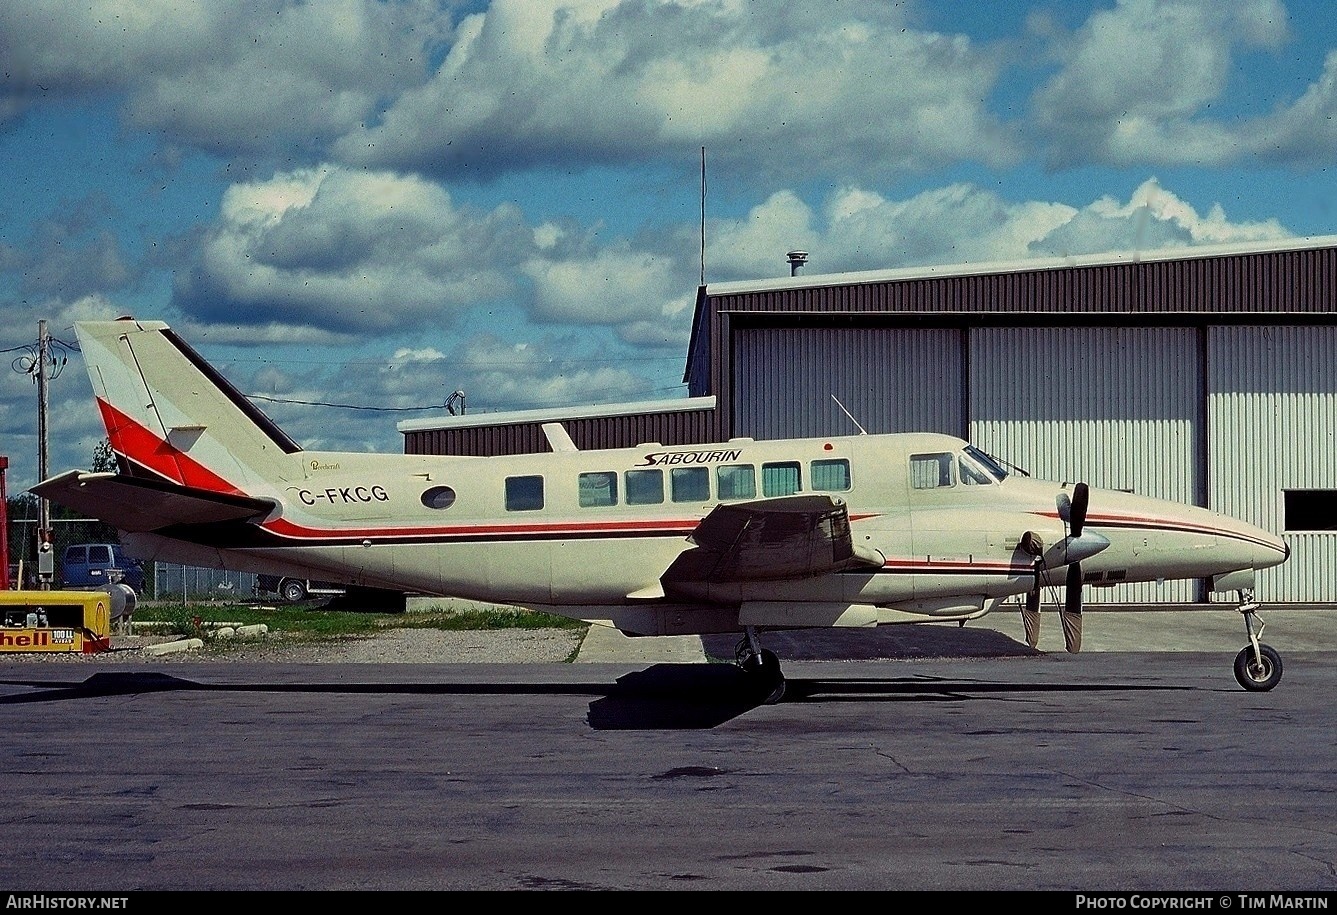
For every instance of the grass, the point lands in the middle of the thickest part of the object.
(314, 622)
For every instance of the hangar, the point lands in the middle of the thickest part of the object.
(1200, 374)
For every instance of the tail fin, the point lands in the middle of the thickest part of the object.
(172, 417)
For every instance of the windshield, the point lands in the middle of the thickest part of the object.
(984, 462)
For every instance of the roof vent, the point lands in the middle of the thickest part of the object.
(796, 259)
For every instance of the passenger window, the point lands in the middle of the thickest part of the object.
(930, 471)
(598, 489)
(438, 497)
(831, 476)
(524, 494)
(781, 479)
(690, 484)
(736, 481)
(644, 487)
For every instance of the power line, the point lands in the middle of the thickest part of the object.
(345, 406)
(408, 410)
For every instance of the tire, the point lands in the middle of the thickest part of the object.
(292, 590)
(764, 669)
(1254, 676)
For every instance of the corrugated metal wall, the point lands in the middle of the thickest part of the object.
(1116, 407)
(890, 379)
(668, 428)
(1273, 426)
(1274, 282)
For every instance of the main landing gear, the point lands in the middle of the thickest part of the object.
(1257, 666)
(761, 666)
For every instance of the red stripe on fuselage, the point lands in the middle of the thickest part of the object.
(1141, 522)
(286, 528)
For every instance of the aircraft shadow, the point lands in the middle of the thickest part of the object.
(885, 643)
(661, 697)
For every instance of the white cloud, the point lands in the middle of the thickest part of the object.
(860, 229)
(765, 85)
(328, 253)
(1304, 133)
(222, 74)
(756, 245)
(645, 295)
(1137, 80)
(350, 252)
(501, 375)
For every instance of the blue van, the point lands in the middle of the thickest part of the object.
(85, 566)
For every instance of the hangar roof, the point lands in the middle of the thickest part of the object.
(1178, 253)
(556, 414)
(1272, 282)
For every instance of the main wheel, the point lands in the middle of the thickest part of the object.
(292, 590)
(764, 669)
(1256, 675)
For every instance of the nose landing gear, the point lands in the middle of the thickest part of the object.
(1257, 666)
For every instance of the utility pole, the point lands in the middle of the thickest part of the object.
(45, 561)
(5, 583)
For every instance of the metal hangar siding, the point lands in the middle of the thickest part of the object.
(668, 422)
(1202, 374)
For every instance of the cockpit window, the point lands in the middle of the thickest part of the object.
(931, 471)
(972, 475)
(985, 462)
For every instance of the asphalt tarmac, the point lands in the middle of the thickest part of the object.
(962, 760)
(1198, 628)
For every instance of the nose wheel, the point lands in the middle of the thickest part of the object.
(1258, 669)
(1257, 666)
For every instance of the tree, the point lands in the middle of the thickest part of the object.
(104, 459)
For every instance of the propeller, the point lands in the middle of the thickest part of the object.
(1030, 617)
(1070, 551)
(1030, 613)
(1072, 600)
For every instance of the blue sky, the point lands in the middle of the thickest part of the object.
(371, 204)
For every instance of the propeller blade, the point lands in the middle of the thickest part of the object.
(1081, 495)
(1072, 609)
(1030, 617)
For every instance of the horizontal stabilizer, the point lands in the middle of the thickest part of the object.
(141, 505)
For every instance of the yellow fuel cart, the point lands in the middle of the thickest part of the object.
(55, 621)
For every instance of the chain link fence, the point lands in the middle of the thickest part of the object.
(192, 583)
(162, 580)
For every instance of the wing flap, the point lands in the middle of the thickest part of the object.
(139, 505)
(787, 537)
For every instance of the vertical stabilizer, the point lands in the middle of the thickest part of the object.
(171, 416)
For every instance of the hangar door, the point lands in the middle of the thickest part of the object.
(1118, 407)
(1273, 448)
(890, 379)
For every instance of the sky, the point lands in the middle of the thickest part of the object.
(355, 208)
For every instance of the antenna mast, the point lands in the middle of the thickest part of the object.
(862, 430)
(703, 216)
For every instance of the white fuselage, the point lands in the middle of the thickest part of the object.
(596, 529)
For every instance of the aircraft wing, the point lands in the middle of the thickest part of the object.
(787, 537)
(138, 505)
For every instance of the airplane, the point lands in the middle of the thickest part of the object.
(744, 536)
